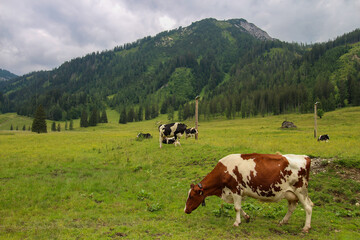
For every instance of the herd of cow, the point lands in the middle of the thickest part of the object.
(267, 177)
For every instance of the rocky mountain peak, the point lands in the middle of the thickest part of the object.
(251, 28)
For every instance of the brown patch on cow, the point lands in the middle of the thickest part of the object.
(270, 171)
(239, 176)
(303, 173)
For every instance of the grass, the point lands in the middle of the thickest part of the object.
(100, 183)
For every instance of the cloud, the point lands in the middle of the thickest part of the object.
(42, 34)
(167, 23)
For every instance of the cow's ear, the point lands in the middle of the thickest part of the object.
(192, 186)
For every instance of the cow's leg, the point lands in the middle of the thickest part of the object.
(247, 217)
(291, 208)
(238, 210)
(176, 140)
(307, 203)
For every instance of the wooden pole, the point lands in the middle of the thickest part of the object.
(196, 115)
(315, 118)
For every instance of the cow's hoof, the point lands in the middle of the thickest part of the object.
(247, 218)
(306, 229)
(236, 224)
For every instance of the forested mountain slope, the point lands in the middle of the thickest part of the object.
(234, 66)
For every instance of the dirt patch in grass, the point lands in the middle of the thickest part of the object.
(319, 165)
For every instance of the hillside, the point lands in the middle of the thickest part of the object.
(6, 75)
(237, 69)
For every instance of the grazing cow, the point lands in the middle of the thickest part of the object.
(144, 135)
(324, 138)
(268, 177)
(169, 140)
(175, 130)
(190, 132)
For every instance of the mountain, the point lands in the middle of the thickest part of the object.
(6, 75)
(237, 69)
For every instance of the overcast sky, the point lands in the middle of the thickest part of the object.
(42, 34)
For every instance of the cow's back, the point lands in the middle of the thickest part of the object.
(267, 176)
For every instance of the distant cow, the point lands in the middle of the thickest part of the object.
(144, 135)
(168, 140)
(175, 130)
(324, 138)
(191, 132)
(268, 177)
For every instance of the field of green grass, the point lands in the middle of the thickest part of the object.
(101, 183)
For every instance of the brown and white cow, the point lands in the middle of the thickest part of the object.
(268, 177)
(175, 130)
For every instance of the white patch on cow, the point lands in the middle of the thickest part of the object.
(296, 162)
(227, 195)
(245, 167)
(187, 199)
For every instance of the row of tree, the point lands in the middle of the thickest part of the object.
(93, 119)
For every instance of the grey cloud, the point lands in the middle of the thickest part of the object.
(42, 34)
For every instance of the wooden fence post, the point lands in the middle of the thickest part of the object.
(196, 115)
(315, 118)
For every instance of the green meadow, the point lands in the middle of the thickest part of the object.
(101, 183)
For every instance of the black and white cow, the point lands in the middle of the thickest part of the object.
(191, 132)
(175, 130)
(144, 135)
(324, 138)
(168, 140)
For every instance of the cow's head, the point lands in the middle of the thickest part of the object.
(190, 132)
(195, 198)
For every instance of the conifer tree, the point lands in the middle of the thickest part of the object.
(24, 128)
(53, 127)
(11, 127)
(71, 124)
(140, 114)
(104, 118)
(84, 119)
(39, 123)
(170, 112)
(66, 126)
(123, 118)
(147, 112)
(58, 127)
(93, 117)
(131, 115)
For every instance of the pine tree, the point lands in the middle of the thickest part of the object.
(147, 112)
(24, 128)
(11, 127)
(140, 114)
(131, 115)
(39, 123)
(53, 127)
(93, 118)
(170, 112)
(71, 125)
(58, 127)
(66, 126)
(84, 119)
(104, 118)
(123, 117)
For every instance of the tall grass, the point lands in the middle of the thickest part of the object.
(100, 183)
